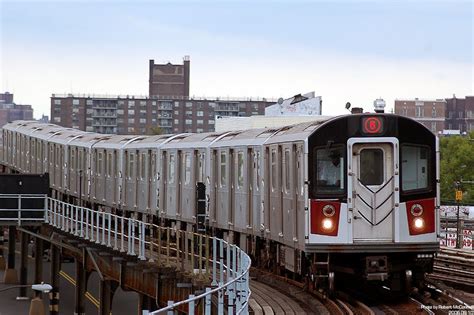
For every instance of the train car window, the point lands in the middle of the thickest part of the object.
(143, 166)
(258, 170)
(153, 164)
(371, 167)
(201, 167)
(330, 170)
(287, 170)
(274, 170)
(240, 169)
(414, 167)
(171, 169)
(223, 169)
(99, 163)
(187, 168)
(73, 159)
(131, 165)
(109, 164)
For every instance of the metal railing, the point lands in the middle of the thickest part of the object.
(22, 208)
(225, 266)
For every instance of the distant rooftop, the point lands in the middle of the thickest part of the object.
(164, 98)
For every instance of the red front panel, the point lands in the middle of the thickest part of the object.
(427, 216)
(318, 217)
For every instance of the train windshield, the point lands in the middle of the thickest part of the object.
(330, 170)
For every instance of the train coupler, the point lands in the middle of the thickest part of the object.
(376, 268)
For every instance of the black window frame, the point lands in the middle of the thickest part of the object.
(336, 194)
(429, 168)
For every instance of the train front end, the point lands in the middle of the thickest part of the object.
(373, 199)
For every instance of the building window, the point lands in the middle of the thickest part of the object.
(89, 102)
(142, 120)
(57, 119)
(131, 104)
(199, 122)
(188, 122)
(433, 112)
(119, 111)
(130, 129)
(75, 102)
(189, 112)
(211, 122)
(75, 110)
(142, 103)
(189, 104)
(176, 121)
(131, 121)
(199, 130)
(199, 113)
(57, 102)
(131, 112)
(419, 111)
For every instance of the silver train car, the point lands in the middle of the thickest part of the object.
(355, 194)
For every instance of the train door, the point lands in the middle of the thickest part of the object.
(288, 196)
(179, 184)
(215, 186)
(374, 188)
(275, 206)
(250, 186)
(163, 181)
(231, 182)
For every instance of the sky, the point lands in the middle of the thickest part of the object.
(345, 51)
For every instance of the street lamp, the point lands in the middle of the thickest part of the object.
(42, 287)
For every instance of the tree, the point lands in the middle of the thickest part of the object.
(457, 164)
(155, 131)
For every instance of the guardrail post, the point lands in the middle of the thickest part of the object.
(87, 222)
(207, 310)
(214, 262)
(221, 265)
(170, 312)
(103, 228)
(122, 230)
(19, 210)
(110, 228)
(82, 222)
(46, 214)
(92, 225)
(141, 241)
(76, 230)
(191, 304)
(97, 225)
(115, 232)
(220, 300)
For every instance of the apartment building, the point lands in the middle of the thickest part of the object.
(431, 113)
(10, 111)
(144, 115)
(460, 113)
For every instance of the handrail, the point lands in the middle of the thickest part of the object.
(224, 265)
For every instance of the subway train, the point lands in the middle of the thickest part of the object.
(351, 196)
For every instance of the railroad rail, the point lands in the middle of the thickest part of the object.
(455, 266)
(223, 265)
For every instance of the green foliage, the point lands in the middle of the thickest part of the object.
(155, 131)
(457, 163)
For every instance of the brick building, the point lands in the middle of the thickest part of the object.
(460, 113)
(168, 106)
(169, 80)
(431, 113)
(141, 115)
(9, 111)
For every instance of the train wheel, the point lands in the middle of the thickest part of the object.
(408, 285)
(331, 283)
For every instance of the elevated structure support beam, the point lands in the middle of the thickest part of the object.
(23, 265)
(55, 269)
(10, 276)
(81, 284)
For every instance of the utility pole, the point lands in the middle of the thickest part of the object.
(459, 234)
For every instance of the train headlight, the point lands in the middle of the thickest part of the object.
(419, 223)
(329, 210)
(327, 224)
(416, 210)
